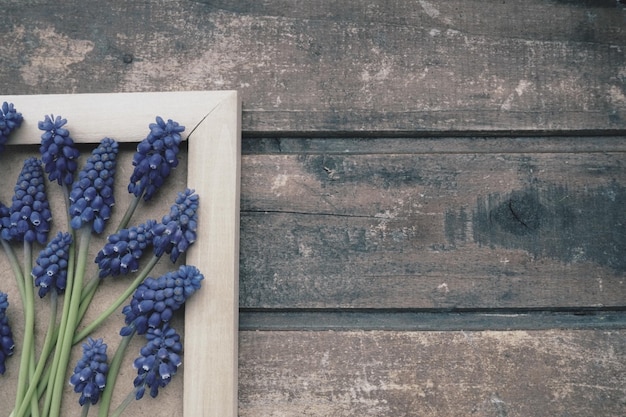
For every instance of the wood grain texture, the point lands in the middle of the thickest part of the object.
(211, 317)
(123, 116)
(311, 66)
(540, 373)
(432, 230)
(385, 223)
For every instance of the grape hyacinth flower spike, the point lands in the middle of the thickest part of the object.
(10, 120)
(92, 197)
(159, 360)
(123, 250)
(51, 269)
(90, 373)
(156, 299)
(29, 218)
(177, 230)
(6, 337)
(156, 156)
(5, 212)
(58, 152)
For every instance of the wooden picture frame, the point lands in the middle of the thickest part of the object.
(213, 125)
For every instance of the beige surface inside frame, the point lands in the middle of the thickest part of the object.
(212, 121)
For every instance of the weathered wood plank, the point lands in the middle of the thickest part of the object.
(409, 320)
(433, 230)
(353, 144)
(542, 373)
(310, 66)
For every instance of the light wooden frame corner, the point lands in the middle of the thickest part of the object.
(213, 130)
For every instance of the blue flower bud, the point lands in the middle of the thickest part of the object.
(89, 377)
(121, 253)
(91, 196)
(158, 361)
(5, 222)
(6, 337)
(155, 157)
(10, 120)
(29, 215)
(50, 270)
(58, 152)
(155, 300)
(178, 228)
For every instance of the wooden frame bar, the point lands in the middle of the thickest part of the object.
(213, 126)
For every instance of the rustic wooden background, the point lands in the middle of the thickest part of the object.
(433, 197)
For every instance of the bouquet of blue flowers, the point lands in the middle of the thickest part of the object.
(60, 272)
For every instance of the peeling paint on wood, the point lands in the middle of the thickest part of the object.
(432, 373)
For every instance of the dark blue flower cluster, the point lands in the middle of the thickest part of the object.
(29, 218)
(159, 360)
(90, 373)
(123, 250)
(155, 157)
(177, 230)
(92, 194)
(10, 120)
(57, 149)
(50, 270)
(156, 299)
(6, 337)
(4, 218)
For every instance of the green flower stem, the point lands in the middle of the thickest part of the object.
(34, 407)
(114, 370)
(30, 288)
(48, 345)
(130, 210)
(62, 325)
(70, 327)
(87, 295)
(27, 357)
(119, 301)
(85, 411)
(129, 399)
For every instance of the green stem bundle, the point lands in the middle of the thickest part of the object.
(28, 345)
(71, 322)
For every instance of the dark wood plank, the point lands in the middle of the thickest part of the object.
(408, 320)
(541, 373)
(433, 230)
(311, 66)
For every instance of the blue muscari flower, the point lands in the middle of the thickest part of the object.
(155, 157)
(177, 229)
(92, 194)
(6, 337)
(29, 218)
(156, 299)
(159, 360)
(90, 373)
(10, 120)
(50, 270)
(5, 212)
(123, 250)
(57, 149)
